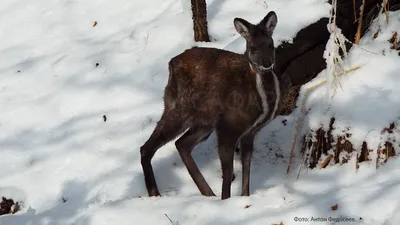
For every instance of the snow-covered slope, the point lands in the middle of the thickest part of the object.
(369, 98)
(366, 110)
(60, 75)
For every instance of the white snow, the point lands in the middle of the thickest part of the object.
(68, 166)
(368, 102)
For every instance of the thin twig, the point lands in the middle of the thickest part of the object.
(361, 48)
(349, 70)
(358, 34)
(302, 161)
(378, 155)
(357, 162)
(169, 219)
(298, 121)
(386, 12)
(326, 162)
(368, 51)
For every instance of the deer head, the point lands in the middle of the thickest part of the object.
(260, 49)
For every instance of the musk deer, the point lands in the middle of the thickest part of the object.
(212, 89)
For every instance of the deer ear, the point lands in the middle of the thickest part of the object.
(269, 22)
(242, 27)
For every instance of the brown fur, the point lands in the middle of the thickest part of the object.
(226, 87)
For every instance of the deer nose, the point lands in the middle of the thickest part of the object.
(268, 60)
(267, 63)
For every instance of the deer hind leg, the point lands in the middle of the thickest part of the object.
(185, 145)
(168, 128)
(246, 147)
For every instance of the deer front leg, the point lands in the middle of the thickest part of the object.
(226, 148)
(226, 157)
(246, 146)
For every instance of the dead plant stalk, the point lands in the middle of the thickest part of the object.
(302, 110)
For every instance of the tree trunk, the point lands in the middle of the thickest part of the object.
(199, 10)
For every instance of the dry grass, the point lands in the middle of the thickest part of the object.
(384, 6)
(358, 34)
(289, 100)
(298, 122)
(395, 42)
(326, 161)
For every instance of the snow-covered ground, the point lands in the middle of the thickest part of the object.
(59, 75)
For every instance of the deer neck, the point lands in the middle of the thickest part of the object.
(266, 80)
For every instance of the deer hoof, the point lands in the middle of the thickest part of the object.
(154, 192)
(209, 194)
